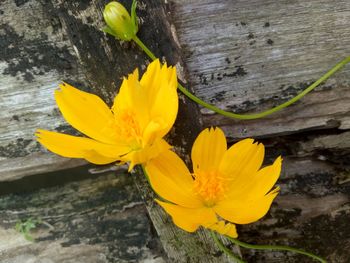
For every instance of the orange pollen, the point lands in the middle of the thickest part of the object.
(209, 186)
(129, 127)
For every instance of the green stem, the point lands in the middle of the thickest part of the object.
(272, 247)
(254, 115)
(145, 173)
(144, 48)
(225, 249)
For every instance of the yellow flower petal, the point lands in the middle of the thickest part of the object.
(93, 157)
(153, 99)
(151, 80)
(261, 183)
(208, 150)
(189, 219)
(87, 113)
(245, 212)
(123, 99)
(158, 77)
(151, 133)
(240, 162)
(145, 154)
(164, 103)
(79, 147)
(133, 97)
(223, 228)
(170, 179)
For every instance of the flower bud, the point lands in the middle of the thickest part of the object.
(119, 22)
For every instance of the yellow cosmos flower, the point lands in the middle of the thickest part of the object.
(131, 131)
(227, 186)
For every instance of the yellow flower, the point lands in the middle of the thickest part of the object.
(226, 184)
(131, 131)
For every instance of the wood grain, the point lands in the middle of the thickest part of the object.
(98, 220)
(35, 56)
(243, 56)
(248, 56)
(103, 62)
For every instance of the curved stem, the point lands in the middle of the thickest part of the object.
(254, 115)
(225, 249)
(144, 48)
(275, 109)
(145, 173)
(273, 247)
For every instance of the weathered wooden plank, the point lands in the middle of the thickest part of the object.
(312, 212)
(320, 110)
(260, 45)
(34, 163)
(103, 62)
(35, 55)
(98, 220)
(246, 56)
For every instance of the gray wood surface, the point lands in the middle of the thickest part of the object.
(98, 220)
(244, 56)
(35, 56)
(102, 62)
(247, 56)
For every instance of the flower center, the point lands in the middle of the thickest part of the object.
(209, 186)
(129, 128)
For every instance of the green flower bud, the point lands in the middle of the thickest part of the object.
(119, 22)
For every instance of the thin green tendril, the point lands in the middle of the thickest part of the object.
(254, 115)
(273, 247)
(225, 249)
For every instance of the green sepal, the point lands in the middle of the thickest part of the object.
(134, 16)
(109, 30)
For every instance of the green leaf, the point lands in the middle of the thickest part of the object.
(24, 227)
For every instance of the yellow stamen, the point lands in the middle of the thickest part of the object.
(209, 186)
(128, 128)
